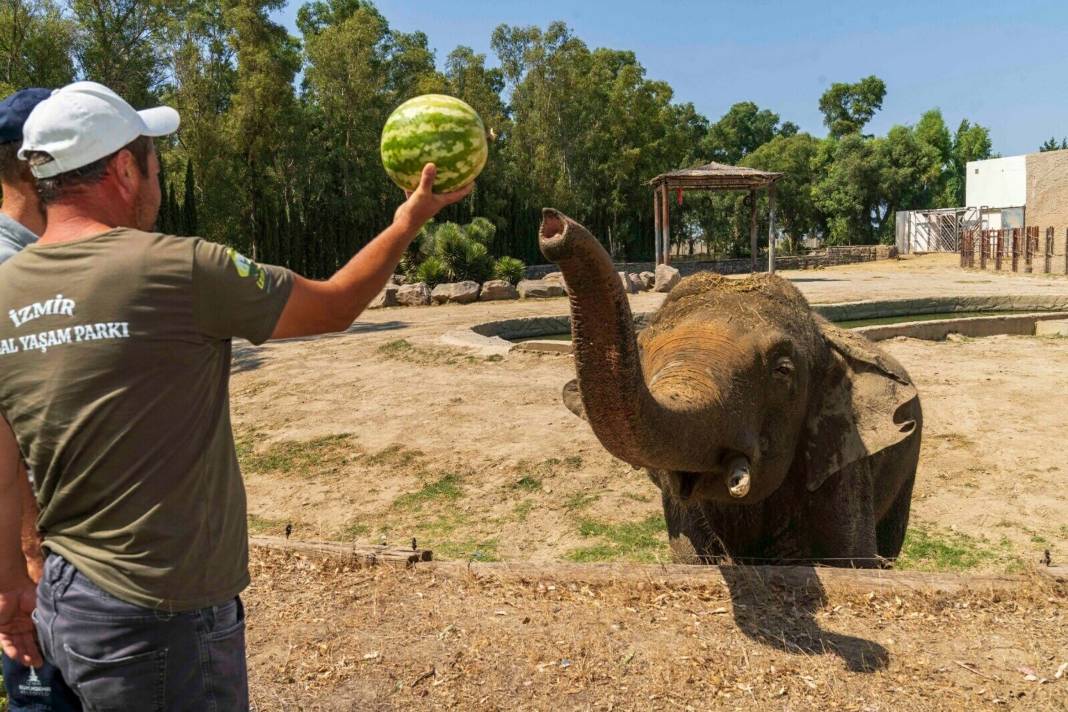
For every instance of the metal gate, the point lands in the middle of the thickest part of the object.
(937, 230)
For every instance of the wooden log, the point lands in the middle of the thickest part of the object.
(1047, 251)
(827, 578)
(363, 555)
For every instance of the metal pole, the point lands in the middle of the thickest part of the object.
(771, 228)
(656, 224)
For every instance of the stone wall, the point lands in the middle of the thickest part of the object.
(1047, 190)
(827, 257)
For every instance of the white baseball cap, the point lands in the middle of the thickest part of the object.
(84, 122)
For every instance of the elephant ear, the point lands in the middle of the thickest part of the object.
(866, 406)
(573, 398)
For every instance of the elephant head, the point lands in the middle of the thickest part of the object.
(734, 385)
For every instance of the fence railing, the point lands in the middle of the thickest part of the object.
(1018, 249)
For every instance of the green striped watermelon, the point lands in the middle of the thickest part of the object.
(437, 129)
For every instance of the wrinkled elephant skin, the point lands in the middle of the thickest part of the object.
(773, 435)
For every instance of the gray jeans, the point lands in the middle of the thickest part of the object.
(119, 656)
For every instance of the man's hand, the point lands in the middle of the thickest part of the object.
(424, 203)
(16, 627)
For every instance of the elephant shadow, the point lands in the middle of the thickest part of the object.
(780, 612)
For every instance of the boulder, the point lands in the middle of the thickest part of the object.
(639, 285)
(540, 289)
(386, 298)
(498, 289)
(554, 277)
(455, 293)
(398, 279)
(414, 295)
(648, 279)
(666, 278)
(628, 286)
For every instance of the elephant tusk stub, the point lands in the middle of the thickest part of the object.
(738, 477)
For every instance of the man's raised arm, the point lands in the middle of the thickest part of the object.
(18, 594)
(318, 307)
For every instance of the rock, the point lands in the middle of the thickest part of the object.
(666, 278)
(414, 295)
(455, 293)
(639, 285)
(398, 279)
(386, 298)
(498, 289)
(648, 279)
(540, 289)
(554, 277)
(628, 286)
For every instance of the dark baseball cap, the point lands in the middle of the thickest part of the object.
(14, 110)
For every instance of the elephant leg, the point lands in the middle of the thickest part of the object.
(890, 533)
(843, 519)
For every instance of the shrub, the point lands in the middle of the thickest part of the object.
(508, 268)
(481, 231)
(432, 271)
(478, 265)
(447, 252)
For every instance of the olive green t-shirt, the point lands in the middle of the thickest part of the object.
(114, 375)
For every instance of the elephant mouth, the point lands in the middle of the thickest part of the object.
(731, 482)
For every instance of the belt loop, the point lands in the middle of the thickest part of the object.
(66, 578)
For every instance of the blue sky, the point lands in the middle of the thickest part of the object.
(1002, 64)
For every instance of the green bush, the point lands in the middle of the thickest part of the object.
(481, 231)
(432, 271)
(447, 252)
(508, 268)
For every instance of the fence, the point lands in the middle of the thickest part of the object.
(826, 257)
(1021, 249)
(937, 230)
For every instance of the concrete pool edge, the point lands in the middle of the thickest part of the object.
(498, 337)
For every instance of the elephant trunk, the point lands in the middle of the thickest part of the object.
(631, 423)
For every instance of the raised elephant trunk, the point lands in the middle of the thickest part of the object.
(627, 418)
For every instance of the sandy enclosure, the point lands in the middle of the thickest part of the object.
(382, 433)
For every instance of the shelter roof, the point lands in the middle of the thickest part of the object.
(717, 176)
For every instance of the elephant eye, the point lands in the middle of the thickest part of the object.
(784, 366)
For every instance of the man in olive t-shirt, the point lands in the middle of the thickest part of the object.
(115, 350)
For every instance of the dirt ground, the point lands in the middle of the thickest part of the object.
(383, 434)
(326, 636)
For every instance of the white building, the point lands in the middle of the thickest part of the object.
(1000, 193)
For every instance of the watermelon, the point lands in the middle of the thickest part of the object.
(437, 129)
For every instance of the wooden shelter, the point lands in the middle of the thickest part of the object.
(712, 177)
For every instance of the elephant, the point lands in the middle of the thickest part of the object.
(773, 435)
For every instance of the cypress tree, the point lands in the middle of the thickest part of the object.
(189, 205)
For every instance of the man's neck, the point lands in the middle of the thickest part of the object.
(22, 206)
(68, 222)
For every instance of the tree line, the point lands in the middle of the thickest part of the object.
(278, 150)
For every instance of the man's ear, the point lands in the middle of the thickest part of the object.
(126, 174)
(573, 398)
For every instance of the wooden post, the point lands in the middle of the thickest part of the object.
(1000, 247)
(753, 230)
(984, 243)
(1028, 231)
(1015, 249)
(771, 228)
(1047, 251)
(656, 225)
(665, 224)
